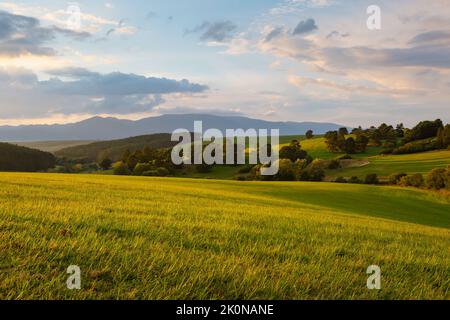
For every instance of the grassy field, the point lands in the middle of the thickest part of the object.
(408, 163)
(156, 238)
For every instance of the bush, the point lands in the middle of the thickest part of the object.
(415, 180)
(371, 178)
(150, 173)
(316, 174)
(246, 168)
(354, 180)
(140, 168)
(304, 176)
(162, 172)
(105, 164)
(345, 157)
(436, 179)
(121, 169)
(286, 170)
(241, 178)
(340, 180)
(395, 177)
(417, 146)
(334, 164)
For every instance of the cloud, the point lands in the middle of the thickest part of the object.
(80, 91)
(337, 34)
(22, 35)
(218, 31)
(303, 82)
(274, 33)
(116, 83)
(122, 29)
(305, 26)
(365, 57)
(434, 37)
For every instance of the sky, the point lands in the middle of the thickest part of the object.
(280, 60)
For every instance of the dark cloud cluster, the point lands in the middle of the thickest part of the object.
(21, 35)
(214, 31)
(94, 84)
(77, 90)
(305, 26)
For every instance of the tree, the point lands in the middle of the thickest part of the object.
(286, 170)
(423, 130)
(361, 143)
(415, 180)
(121, 169)
(395, 177)
(371, 178)
(132, 161)
(316, 174)
(331, 140)
(343, 131)
(349, 146)
(105, 164)
(293, 151)
(400, 130)
(443, 136)
(436, 179)
(309, 134)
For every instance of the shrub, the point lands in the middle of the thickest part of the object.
(340, 180)
(436, 179)
(345, 157)
(371, 178)
(241, 178)
(316, 174)
(150, 173)
(286, 170)
(162, 172)
(121, 169)
(246, 168)
(417, 146)
(334, 164)
(105, 164)
(415, 180)
(354, 180)
(304, 176)
(140, 168)
(395, 177)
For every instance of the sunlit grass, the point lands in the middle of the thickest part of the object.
(156, 238)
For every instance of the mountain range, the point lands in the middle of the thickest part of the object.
(98, 128)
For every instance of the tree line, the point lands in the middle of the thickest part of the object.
(17, 158)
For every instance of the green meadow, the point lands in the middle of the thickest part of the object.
(170, 238)
(384, 165)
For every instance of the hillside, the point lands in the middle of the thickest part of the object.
(51, 146)
(17, 158)
(98, 128)
(384, 165)
(114, 149)
(153, 238)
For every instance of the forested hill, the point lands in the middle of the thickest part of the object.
(16, 158)
(114, 149)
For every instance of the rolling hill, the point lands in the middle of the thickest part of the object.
(114, 149)
(18, 158)
(51, 146)
(98, 128)
(166, 238)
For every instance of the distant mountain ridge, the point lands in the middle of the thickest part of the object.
(98, 128)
